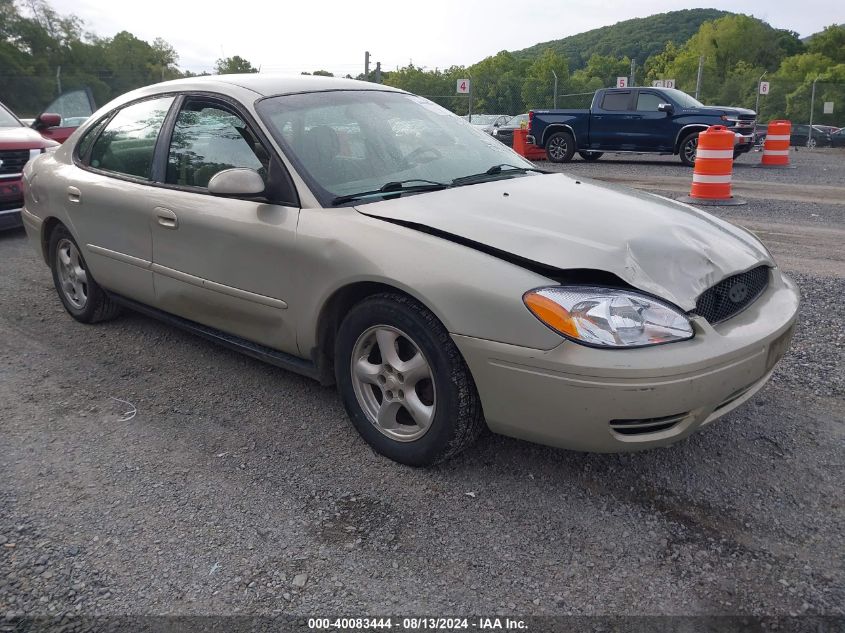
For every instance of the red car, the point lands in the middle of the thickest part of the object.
(18, 144)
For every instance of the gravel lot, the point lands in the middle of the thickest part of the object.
(240, 488)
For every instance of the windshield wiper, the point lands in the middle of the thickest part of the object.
(394, 187)
(495, 170)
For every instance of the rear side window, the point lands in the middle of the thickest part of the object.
(88, 139)
(648, 102)
(208, 139)
(127, 144)
(616, 100)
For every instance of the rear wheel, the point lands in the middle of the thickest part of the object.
(560, 147)
(81, 296)
(590, 157)
(404, 383)
(811, 143)
(687, 149)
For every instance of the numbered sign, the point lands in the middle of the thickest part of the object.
(828, 107)
(668, 83)
(621, 82)
(463, 86)
(764, 87)
(658, 83)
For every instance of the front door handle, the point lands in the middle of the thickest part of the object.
(74, 195)
(166, 218)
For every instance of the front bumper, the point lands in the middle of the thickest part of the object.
(743, 141)
(11, 201)
(589, 399)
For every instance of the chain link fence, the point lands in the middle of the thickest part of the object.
(29, 94)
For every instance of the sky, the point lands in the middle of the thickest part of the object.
(291, 36)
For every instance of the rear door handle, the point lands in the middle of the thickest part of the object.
(166, 218)
(74, 195)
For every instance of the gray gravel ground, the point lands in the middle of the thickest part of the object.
(240, 488)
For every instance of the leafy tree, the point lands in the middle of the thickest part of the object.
(830, 43)
(233, 65)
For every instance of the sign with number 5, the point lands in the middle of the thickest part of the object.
(621, 82)
(463, 86)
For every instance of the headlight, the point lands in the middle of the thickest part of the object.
(604, 317)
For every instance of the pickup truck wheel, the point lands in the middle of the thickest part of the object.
(560, 147)
(688, 147)
(590, 157)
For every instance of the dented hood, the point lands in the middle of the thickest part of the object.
(666, 248)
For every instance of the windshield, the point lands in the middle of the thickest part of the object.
(7, 119)
(683, 99)
(347, 142)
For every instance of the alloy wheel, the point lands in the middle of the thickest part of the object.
(558, 147)
(72, 274)
(690, 148)
(393, 383)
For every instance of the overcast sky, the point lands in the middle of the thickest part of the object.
(292, 36)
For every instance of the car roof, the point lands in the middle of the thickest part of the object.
(269, 84)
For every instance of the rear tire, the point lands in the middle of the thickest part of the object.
(560, 147)
(81, 296)
(687, 149)
(404, 383)
(590, 157)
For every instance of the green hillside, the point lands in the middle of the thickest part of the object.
(637, 39)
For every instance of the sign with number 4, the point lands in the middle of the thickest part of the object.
(463, 86)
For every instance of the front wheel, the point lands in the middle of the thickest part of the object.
(811, 143)
(688, 148)
(590, 157)
(404, 383)
(560, 147)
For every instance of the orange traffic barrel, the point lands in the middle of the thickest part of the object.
(522, 147)
(714, 159)
(776, 146)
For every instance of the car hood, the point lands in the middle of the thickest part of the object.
(22, 138)
(663, 247)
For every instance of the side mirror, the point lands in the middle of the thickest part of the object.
(668, 108)
(237, 182)
(46, 120)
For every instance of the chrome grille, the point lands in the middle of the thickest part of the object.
(732, 295)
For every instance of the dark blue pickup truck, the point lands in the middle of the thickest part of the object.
(659, 120)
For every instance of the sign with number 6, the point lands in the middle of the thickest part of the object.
(764, 87)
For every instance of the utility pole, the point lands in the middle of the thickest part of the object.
(698, 80)
(366, 65)
(555, 97)
(378, 72)
(812, 105)
(469, 108)
(757, 104)
(633, 73)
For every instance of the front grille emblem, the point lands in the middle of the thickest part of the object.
(738, 292)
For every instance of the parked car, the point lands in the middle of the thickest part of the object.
(801, 137)
(837, 138)
(504, 132)
(440, 280)
(660, 120)
(18, 144)
(488, 122)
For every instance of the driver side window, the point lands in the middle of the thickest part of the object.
(207, 139)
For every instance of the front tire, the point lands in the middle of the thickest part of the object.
(687, 149)
(560, 147)
(590, 157)
(81, 296)
(404, 383)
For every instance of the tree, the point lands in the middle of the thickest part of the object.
(830, 43)
(233, 65)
